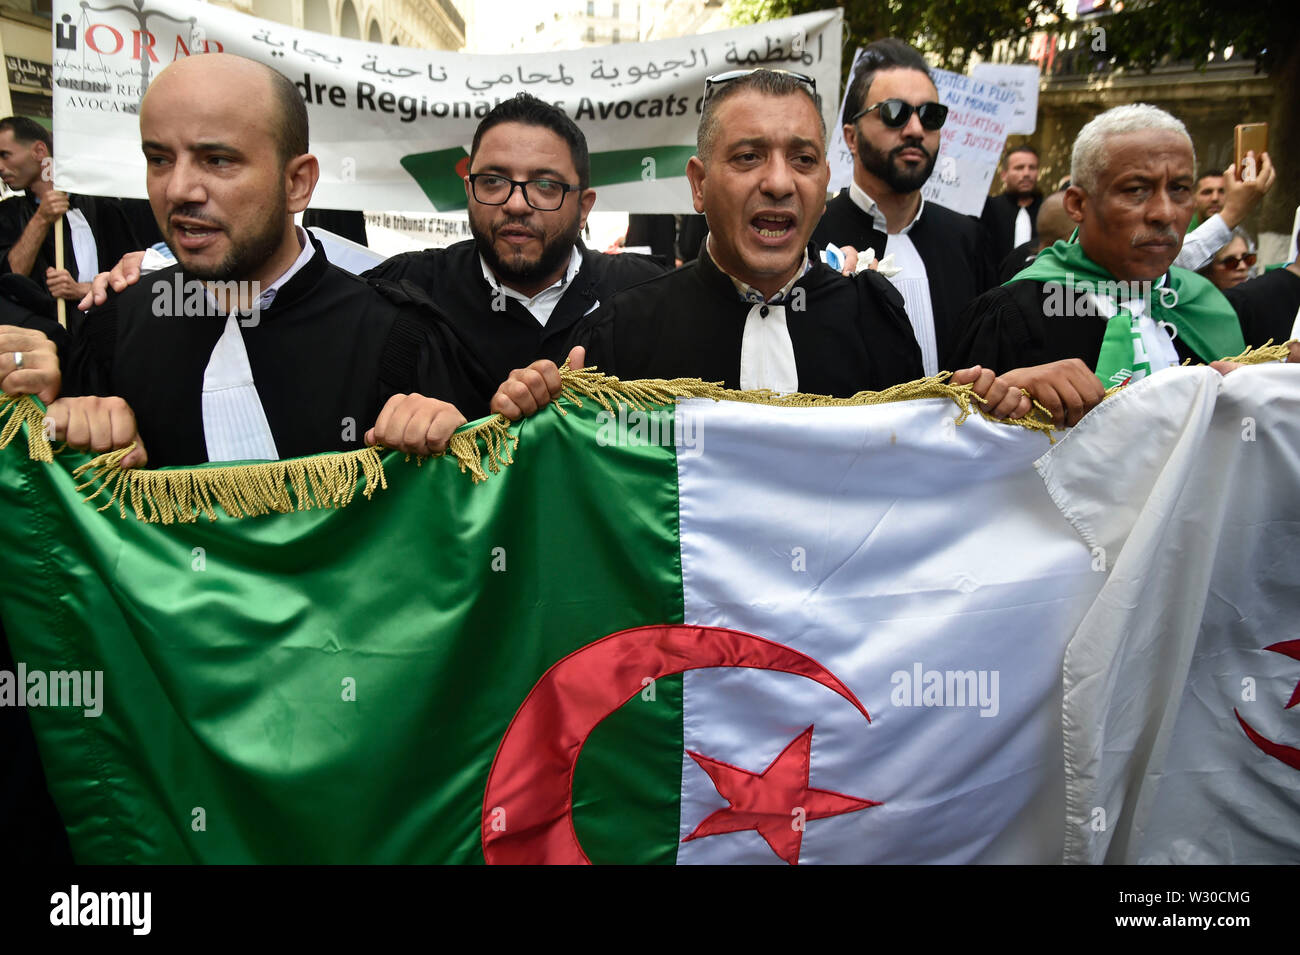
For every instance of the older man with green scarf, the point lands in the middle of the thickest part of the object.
(1110, 296)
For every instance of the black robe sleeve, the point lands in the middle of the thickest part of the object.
(424, 355)
(888, 332)
(996, 332)
(1266, 306)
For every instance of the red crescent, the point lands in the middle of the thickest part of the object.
(1279, 751)
(528, 804)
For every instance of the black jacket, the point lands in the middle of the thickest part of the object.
(329, 350)
(452, 280)
(953, 247)
(848, 335)
(999, 218)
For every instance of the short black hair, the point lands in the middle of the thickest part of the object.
(291, 131)
(768, 82)
(886, 54)
(531, 111)
(27, 131)
(1022, 148)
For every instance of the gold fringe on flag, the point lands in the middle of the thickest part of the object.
(245, 490)
(330, 480)
(17, 410)
(1265, 353)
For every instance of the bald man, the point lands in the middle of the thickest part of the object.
(1053, 224)
(252, 347)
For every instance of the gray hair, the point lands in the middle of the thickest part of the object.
(1088, 158)
(768, 82)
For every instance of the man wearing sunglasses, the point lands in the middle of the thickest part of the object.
(894, 119)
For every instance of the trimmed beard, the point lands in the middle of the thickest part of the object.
(883, 167)
(555, 252)
(247, 253)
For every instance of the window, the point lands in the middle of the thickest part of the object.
(614, 13)
(591, 8)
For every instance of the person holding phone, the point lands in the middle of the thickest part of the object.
(1240, 197)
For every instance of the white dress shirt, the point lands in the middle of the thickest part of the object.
(234, 423)
(1024, 228)
(1201, 243)
(83, 246)
(541, 305)
(912, 282)
(766, 351)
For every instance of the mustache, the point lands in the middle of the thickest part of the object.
(514, 222)
(193, 212)
(1159, 235)
(909, 144)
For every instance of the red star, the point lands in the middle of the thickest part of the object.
(770, 802)
(1289, 648)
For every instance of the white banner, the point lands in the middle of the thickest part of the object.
(1023, 80)
(837, 151)
(972, 141)
(392, 126)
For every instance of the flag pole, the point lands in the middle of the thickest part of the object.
(61, 304)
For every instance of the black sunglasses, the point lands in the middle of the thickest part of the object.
(721, 79)
(895, 113)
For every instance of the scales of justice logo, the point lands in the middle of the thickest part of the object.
(102, 39)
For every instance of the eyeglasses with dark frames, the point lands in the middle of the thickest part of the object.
(895, 113)
(544, 195)
(711, 83)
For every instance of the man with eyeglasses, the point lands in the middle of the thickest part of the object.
(517, 289)
(757, 309)
(944, 258)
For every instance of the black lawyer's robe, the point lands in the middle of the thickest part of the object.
(1009, 327)
(452, 280)
(325, 356)
(954, 248)
(852, 335)
(999, 220)
(1266, 306)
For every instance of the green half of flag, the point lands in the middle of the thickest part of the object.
(331, 685)
(440, 173)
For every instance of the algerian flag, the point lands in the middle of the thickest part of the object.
(699, 632)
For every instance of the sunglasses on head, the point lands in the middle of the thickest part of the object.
(895, 113)
(1232, 261)
(721, 79)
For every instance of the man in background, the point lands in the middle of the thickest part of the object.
(96, 232)
(1011, 217)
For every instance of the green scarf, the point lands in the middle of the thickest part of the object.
(1205, 320)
